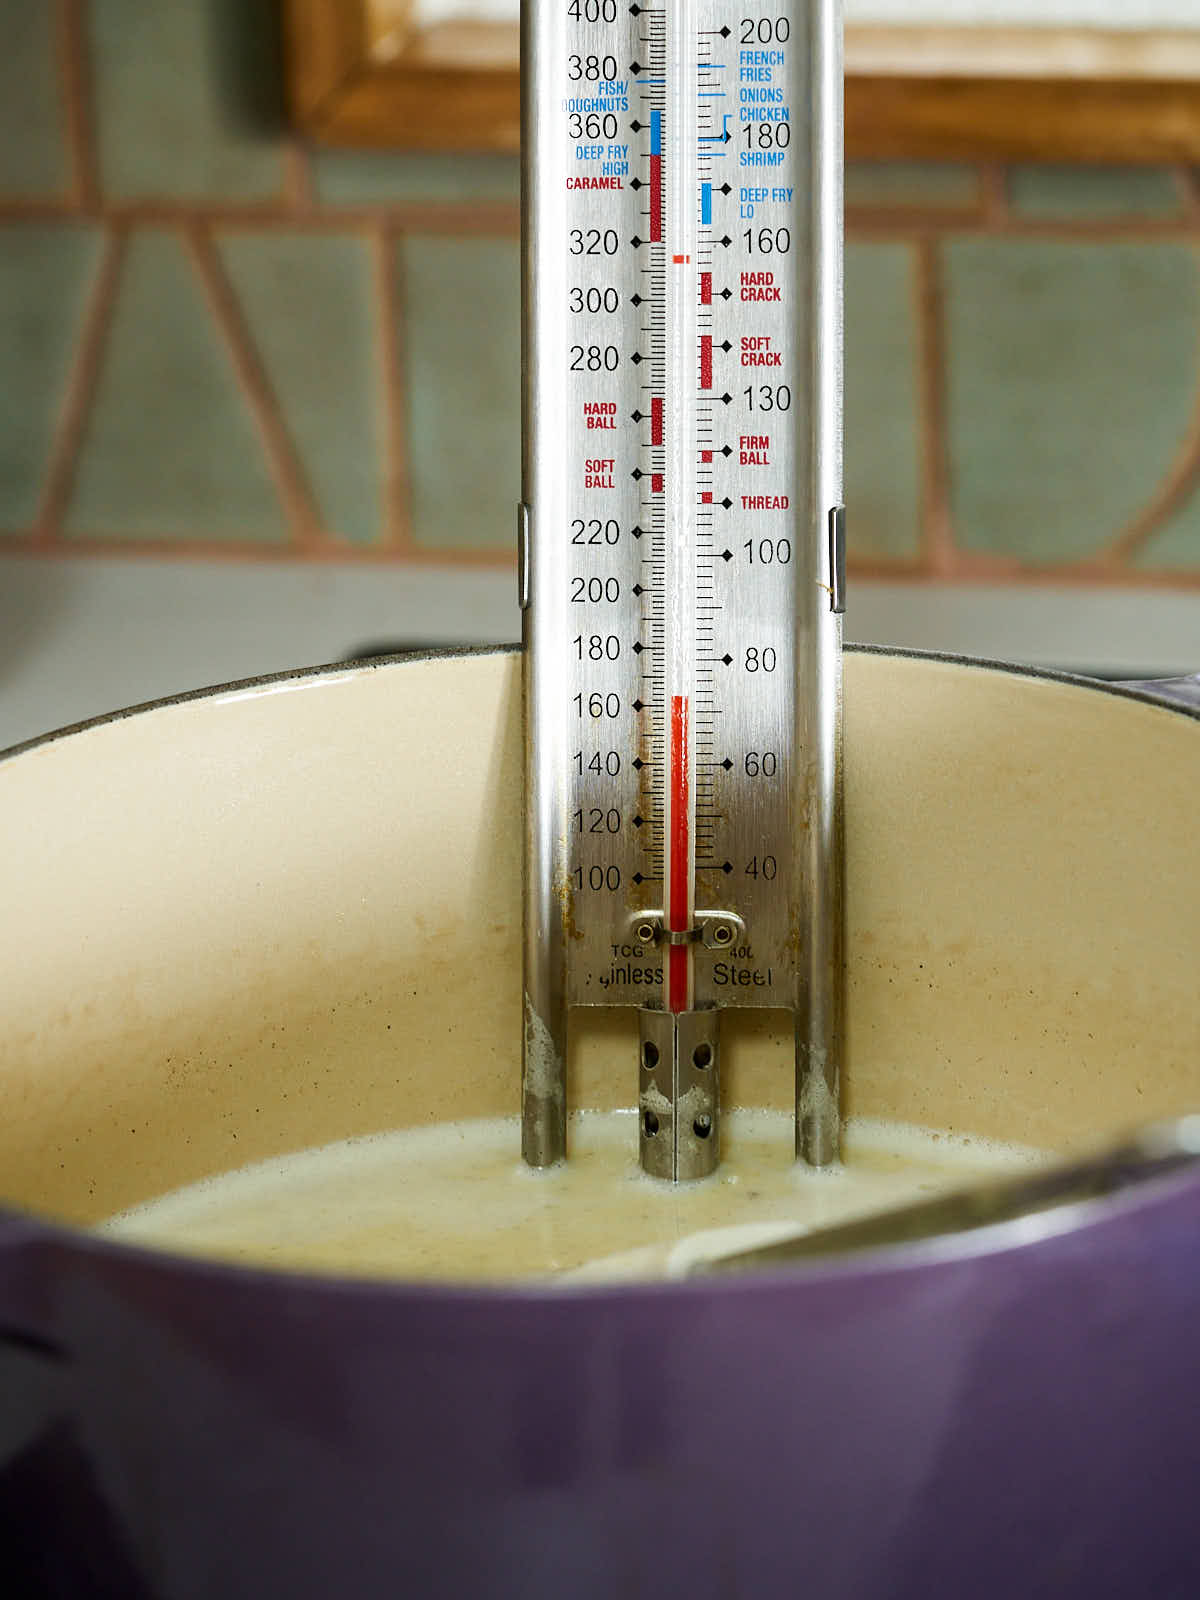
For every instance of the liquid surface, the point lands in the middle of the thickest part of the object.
(454, 1201)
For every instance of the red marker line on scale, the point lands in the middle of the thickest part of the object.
(678, 955)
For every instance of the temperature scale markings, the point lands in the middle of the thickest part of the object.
(655, 177)
(674, 715)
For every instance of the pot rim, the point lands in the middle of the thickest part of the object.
(1082, 1224)
(350, 666)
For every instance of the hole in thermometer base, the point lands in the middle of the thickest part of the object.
(679, 1093)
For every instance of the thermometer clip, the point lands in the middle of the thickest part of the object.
(682, 549)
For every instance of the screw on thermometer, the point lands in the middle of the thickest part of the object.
(681, 548)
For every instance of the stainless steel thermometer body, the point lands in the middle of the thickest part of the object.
(681, 547)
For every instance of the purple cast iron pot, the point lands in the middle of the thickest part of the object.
(285, 913)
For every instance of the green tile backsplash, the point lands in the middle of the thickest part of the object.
(1176, 546)
(45, 271)
(33, 146)
(212, 336)
(463, 365)
(171, 450)
(1083, 193)
(882, 425)
(911, 186)
(181, 110)
(307, 298)
(375, 178)
(1072, 376)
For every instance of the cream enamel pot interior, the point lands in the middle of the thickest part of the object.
(288, 912)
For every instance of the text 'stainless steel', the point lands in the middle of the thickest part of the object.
(681, 547)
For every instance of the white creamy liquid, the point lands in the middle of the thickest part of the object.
(454, 1201)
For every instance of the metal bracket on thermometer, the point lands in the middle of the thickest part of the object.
(682, 548)
(715, 930)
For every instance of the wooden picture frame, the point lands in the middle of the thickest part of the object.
(360, 75)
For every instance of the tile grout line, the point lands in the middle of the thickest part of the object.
(297, 179)
(1187, 184)
(1172, 494)
(969, 568)
(459, 219)
(397, 486)
(937, 542)
(996, 211)
(453, 218)
(1183, 474)
(381, 227)
(881, 224)
(80, 392)
(286, 468)
(75, 83)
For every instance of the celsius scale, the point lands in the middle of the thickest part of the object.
(681, 548)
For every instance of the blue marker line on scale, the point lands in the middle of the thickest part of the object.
(717, 138)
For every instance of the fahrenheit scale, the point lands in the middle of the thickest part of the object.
(681, 539)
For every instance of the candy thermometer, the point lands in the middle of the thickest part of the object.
(681, 538)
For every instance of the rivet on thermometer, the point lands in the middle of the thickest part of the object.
(682, 538)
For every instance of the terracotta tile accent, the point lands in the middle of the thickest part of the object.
(1187, 180)
(80, 391)
(285, 465)
(938, 546)
(1176, 489)
(391, 199)
(297, 178)
(996, 208)
(1071, 374)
